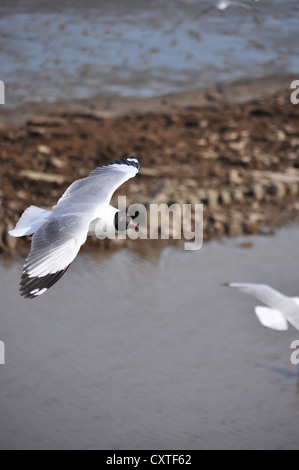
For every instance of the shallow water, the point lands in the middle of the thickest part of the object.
(67, 50)
(129, 352)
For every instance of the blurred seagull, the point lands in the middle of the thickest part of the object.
(84, 209)
(281, 309)
(223, 5)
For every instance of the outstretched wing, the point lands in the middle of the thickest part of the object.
(271, 318)
(54, 246)
(102, 182)
(266, 294)
(57, 242)
(291, 311)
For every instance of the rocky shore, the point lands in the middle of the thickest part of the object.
(239, 158)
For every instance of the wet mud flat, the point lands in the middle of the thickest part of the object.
(240, 160)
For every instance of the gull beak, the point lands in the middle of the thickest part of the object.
(134, 226)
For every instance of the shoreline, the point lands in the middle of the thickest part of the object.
(240, 91)
(240, 162)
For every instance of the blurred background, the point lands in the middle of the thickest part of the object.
(69, 50)
(139, 345)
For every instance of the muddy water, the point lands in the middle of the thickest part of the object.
(67, 50)
(129, 352)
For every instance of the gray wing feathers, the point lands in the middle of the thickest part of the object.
(54, 246)
(102, 182)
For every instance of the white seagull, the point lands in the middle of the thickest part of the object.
(223, 5)
(281, 309)
(84, 209)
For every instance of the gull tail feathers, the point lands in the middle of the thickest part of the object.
(30, 221)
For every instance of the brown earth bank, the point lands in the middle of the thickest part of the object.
(239, 159)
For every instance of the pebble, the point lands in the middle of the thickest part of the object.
(281, 136)
(258, 191)
(250, 227)
(57, 162)
(44, 149)
(39, 176)
(212, 198)
(293, 189)
(235, 177)
(278, 190)
(234, 228)
(225, 197)
(219, 229)
(238, 195)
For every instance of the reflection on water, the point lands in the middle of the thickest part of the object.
(129, 352)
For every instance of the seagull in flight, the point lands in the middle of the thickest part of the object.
(280, 309)
(223, 5)
(84, 209)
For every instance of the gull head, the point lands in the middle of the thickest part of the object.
(123, 222)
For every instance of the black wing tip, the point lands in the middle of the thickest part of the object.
(32, 287)
(31, 295)
(127, 160)
(124, 160)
